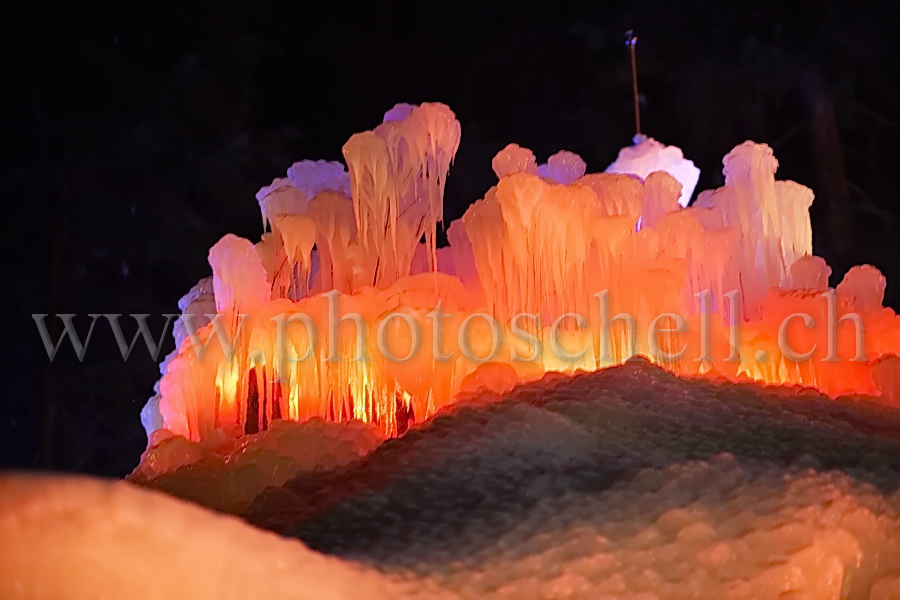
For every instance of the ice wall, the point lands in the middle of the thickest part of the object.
(532, 254)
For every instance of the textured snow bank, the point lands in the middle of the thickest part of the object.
(227, 473)
(626, 483)
(64, 538)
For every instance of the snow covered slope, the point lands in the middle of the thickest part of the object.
(625, 483)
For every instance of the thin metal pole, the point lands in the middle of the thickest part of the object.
(631, 42)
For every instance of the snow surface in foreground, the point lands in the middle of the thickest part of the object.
(626, 483)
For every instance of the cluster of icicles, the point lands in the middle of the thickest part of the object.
(544, 241)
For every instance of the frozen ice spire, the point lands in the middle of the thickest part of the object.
(397, 176)
(239, 278)
(298, 233)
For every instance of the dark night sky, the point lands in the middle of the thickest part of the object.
(136, 137)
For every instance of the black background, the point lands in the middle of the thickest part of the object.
(134, 137)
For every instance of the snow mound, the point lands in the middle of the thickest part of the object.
(626, 483)
(72, 538)
(226, 473)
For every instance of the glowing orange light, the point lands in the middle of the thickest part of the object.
(553, 270)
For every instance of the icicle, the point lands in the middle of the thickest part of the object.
(299, 236)
(397, 177)
(281, 197)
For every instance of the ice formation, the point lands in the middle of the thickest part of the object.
(647, 156)
(548, 259)
(522, 467)
(628, 483)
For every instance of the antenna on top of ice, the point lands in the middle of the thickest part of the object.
(631, 42)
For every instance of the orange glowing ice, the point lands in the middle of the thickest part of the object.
(347, 309)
